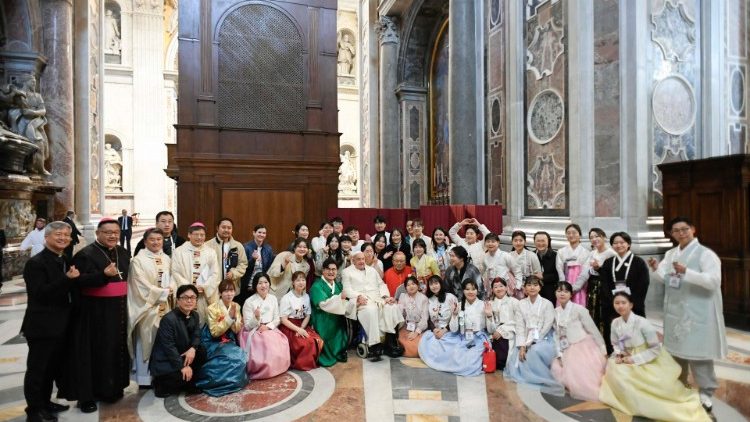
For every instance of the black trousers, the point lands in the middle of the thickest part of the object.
(172, 383)
(500, 346)
(42, 369)
(125, 238)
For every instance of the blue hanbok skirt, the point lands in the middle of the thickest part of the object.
(535, 371)
(453, 353)
(224, 370)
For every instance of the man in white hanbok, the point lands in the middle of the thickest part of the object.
(376, 310)
(694, 332)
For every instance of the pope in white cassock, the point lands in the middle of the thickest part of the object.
(376, 310)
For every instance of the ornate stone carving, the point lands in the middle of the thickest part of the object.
(16, 217)
(674, 31)
(26, 118)
(674, 105)
(112, 42)
(145, 5)
(112, 169)
(546, 187)
(348, 172)
(546, 116)
(495, 114)
(14, 148)
(544, 49)
(346, 53)
(387, 30)
(95, 188)
(737, 90)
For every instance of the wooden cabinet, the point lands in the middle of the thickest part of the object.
(715, 194)
(257, 132)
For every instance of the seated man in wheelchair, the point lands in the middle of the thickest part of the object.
(377, 312)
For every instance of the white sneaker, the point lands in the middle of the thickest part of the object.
(706, 402)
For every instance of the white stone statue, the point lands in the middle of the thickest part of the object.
(27, 117)
(346, 54)
(113, 169)
(112, 42)
(347, 174)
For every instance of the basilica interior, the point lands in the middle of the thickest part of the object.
(616, 114)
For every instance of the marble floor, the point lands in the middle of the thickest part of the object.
(391, 390)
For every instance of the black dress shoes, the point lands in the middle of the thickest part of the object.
(40, 415)
(87, 406)
(53, 407)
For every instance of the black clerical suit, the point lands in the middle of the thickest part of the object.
(126, 230)
(177, 333)
(98, 362)
(74, 233)
(45, 324)
(550, 277)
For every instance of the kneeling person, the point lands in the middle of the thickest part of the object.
(177, 353)
(376, 310)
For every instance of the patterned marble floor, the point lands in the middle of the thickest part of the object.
(390, 390)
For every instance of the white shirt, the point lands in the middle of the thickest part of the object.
(269, 311)
(476, 249)
(34, 241)
(293, 306)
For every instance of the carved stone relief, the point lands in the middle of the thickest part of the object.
(16, 217)
(674, 105)
(112, 169)
(112, 40)
(364, 105)
(674, 31)
(737, 90)
(94, 114)
(24, 145)
(348, 176)
(544, 49)
(546, 115)
(347, 50)
(546, 180)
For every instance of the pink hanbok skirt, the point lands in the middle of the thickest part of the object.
(515, 287)
(582, 369)
(572, 271)
(268, 353)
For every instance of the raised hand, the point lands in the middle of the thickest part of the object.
(73, 272)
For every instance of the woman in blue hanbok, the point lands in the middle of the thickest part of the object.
(460, 349)
(531, 359)
(224, 370)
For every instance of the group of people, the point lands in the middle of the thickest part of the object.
(211, 314)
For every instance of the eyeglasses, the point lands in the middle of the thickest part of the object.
(681, 230)
(188, 298)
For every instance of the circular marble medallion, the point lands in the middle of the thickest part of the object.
(495, 116)
(546, 116)
(289, 396)
(738, 90)
(674, 105)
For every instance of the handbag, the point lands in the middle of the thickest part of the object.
(489, 359)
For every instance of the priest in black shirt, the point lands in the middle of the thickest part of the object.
(98, 364)
(49, 280)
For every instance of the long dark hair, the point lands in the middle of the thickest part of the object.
(338, 255)
(434, 245)
(441, 294)
(464, 284)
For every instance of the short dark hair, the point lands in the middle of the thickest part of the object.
(160, 213)
(153, 230)
(598, 231)
(351, 229)
(69, 213)
(624, 294)
(223, 219)
(492, 236)
(549, 238)
(226, 285)
(328, 262)
(417, 221)
(519, 233)
(680, 219)
(564, 285)
(623, 235)
(298, 226)
(411, 278)
(345, 238)
(532, 279)
(441, 294)
(379, 219)
(419, 242)
(185, 287)
(575, 226)
(258, 227)
(368, 245)
(337, 219)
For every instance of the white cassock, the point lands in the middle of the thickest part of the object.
(197, 266)
(376, 316)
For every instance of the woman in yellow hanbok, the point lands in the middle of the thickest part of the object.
(641, 377)
(424, 266)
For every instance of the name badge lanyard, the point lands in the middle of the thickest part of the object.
(538, 306)
(562, 326)
(674, 279)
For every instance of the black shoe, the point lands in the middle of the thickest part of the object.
(40, 415)
(343, 357)
(87, 406)
(392, 348)
(374, 352)
(161, 393)
(56, 407)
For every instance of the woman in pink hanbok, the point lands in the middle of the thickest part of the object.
(571, 260)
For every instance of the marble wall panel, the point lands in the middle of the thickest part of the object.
(413, 128)
(675, 93)
(495, 102)
(96, 136)
(364, 103)
(546, 155)
(736, 75)
(607, 108)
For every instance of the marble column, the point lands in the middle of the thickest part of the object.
(466, 155)
(88, 96)
(149, 181)
(368, 103)
(390, 163)
(57, 90)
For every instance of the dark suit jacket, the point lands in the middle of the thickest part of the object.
(130, 223)
(177, 241)
(75, 233)
(175, 337)
(48, 289)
